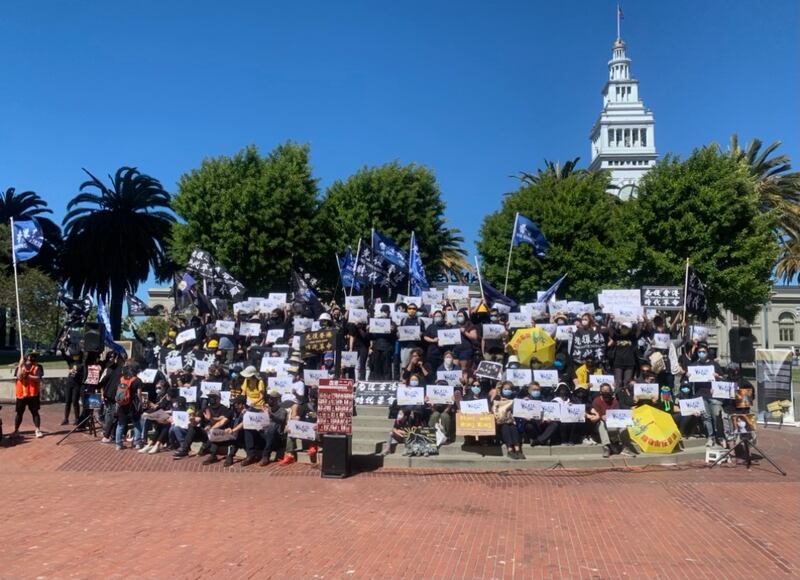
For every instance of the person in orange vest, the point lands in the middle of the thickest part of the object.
(29, 379)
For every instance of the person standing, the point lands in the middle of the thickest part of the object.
(29, 380)
(73, 385)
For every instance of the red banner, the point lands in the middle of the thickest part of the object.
(335, 406)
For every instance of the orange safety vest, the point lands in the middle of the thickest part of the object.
(29, 386)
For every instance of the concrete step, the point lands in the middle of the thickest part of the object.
(372, 411)
(370, 421)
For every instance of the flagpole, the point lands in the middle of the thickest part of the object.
(618, 21)
(480, 282)
(372, 247)
(685, 293)
(510, 247)
(339, 266)
(16, 292)
(410, 259)
(355, 266)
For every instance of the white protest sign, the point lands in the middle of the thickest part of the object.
(275, 334)
(449, 336)
(279, 298)
(244, 306)
(432, 296)
(408, 333)
(315, 326)
(148, 376)
(700, 373)
(302, 325)
(249, 329)
(415, 300)
(661, 340)
(493, 331)
(518, 320)
(302, 430)
(519, 377)
(645, 390)
(551, 411)
(556, 306)
(380, 326)
(265, 306)
(534, 310)
(619, 419)
(546, 378)
(180, 419)
(690, 407)
(188, 393)
(351, 302)
(548, 328)
(349, 359)
(474, 302)
(220, 436)
(426, 321)
(475, 407)
(253, 421)
(186, 336)
(451, 317)
(357, 316)
(225, 398)
(376, 308)
(174, 364)
(208, 387)
(699, 333)
(527, 409)
(573, 413)
(158, 416)
(410, 395)
(501, 308)
(227, 327)
(281, 384)
(596, 380)
(311, 377)
(439, 394)
(723, 389)
(452, 377)
(201, 367)
(457, 292)
(564, 331)
(397, 316)
(270, 364)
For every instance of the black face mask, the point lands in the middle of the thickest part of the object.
(607, 396)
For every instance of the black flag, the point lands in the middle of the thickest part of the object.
(304, 294)
(696, 302)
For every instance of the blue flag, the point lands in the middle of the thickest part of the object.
(27, 239)
(493, 296)
(346, 270)
(386, 248)
(416, 271)
(527, 232)
(102, 315)
(551, 292)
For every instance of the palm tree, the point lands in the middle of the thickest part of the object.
(27, 205)
(778, 188)
(454, 264)
(114, 236)
(553, 170)
(789, 263)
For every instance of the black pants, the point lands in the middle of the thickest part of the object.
(509, 434)
(381, 369)
(266, 441)
(545, 433)
(194, 433)
(72, 396)
(363, 354)
(32, 403)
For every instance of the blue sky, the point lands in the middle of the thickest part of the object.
(477, 91)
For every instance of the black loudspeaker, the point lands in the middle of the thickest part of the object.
(93, 336)
(742, 344)
(336, 455)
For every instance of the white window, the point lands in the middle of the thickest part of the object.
(786, 322)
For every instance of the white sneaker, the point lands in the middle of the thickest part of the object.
(709, 442)
(155, 449)
(39, 434)
(145, 449)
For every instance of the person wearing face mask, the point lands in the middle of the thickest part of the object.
(623, 351)
(502, 408)
(358, 341)
(473, 390)
(127, 399)
(597, 416)
(538, 432)
(448, 364)
(442, 414)
(588, 339)
(382, 348)
(669, 364)
(72, 385)
(109, 379)
(582, 433)
(712, 417)
(433, 353)
(686, 425)
(493, 349)
(411, 321)
(464, 353)
(416, 367)
(589, 367)
(155, 433)
(150, 349)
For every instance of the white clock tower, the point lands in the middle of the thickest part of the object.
(622, 137)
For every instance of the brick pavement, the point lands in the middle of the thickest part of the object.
(83, 510)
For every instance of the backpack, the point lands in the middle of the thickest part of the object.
(123, 396)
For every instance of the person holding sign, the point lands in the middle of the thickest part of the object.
(687, 424)
(464, 353)
(415, 368)
(712, 417)
(382, 345)
(502, 408)
(597, 416)
(493, 346)
(252, 387)
(409, 334)
(305, 411)
(274, 434)
(358, 341)
(623, 351)
(434, 355)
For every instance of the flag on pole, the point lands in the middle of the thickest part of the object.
(527, 232)
(387, 248)
(28, 239)
(620, 14)
(347, 270)
(550, 292)
(493, 296)
(102, 316)
(304, 294)
(416, 271)
(373, 270)
(136, 306)
(696, 302)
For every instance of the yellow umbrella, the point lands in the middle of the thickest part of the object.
(533, 342)
(654, 431)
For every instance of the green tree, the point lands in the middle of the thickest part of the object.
(114, 236)
(582, 223)
(394, 199)
(158, 325)
(27, 205)
(788, 265)
(706, 209)
(254, 214)
(38, 300)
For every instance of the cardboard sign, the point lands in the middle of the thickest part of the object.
(701, 373)
(439, 394)
(158, 416)
(475, 424)
(645, 390)
(556, 306)
(661, 341)
(201, 367)
(723, 390)
(546, 378)
(493, 331)
(186, 336)
(410, 395)
(432, 296)
(534, 310)
(302, 430)
(180, 419)
(249, 329)
(225, 398)
(380, 326)
(619, 419)
(357, 316)
(408, 333)
(188, 393)
(375, 393)
(451, 317)
(519, 377)
(351, 302)
(254, 421)
(174, 364)
(449, 336)
(551, 411)
(457, 292)
(699, 333)
(244, 306)
(311, 377)
(451, 377)
(93, 374)
(319, 341)
(690, 407)
(518, 320)
(573, 413)
(270, 364)
(148, 376)
(300, 325)
(335, 406)
(208, 387)
(489, 370)
(220, 436)
(527, 409)
(225, 327)
(275, 334)
(596, 380)
(349, 359)
(475, 407)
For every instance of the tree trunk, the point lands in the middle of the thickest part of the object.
(115, 311)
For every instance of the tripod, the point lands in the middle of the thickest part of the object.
(91, 426)
(745, 441)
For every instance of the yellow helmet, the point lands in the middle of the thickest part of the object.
(213, 343)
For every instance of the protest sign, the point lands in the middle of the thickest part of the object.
(534, 310)
(596, 380)
(158, 416)
(663, 297)
(220, 436)
(451, 377)
(302, 430)
(352, 302)
(201, 367)
(335, 406)
(518, 320)
(546, 378)
(275, 334)
(174, 364)
(93, 374)
(408, 333)
(621, 303)
(180, 419)
(501, 308)
(700, 373)
(397, 317)
(281, 384)
(148, 376)
(358, 316)
(564, 331)
(527, 409)
(489, 370)
(378, 306)
(270, 364)
(318, 341)
(279, 298)
(249, 329)
(439, 394)
(699, 333)
(432, 296)
(300, 325)
(451, 317)
(188, 393)
(723, 389)
(225, 398)
(226, 327)
(661, 340)
(375, 393)
(548, 328)
(349, 359)
(645, 390)
(415, 300)
(573, 413)
(774, 383)
(551, 411)
(474, 407)
(475, 424)
(208, 387)
(619, 419)
(186, 336)
(449, 336)
(691, 407)
(457, 292)
(492, 331)
(410, 395)
(254, 421)
(427, 321)
(519, 377)
(587, 342)
(556, 306)
(380, 326)
(245, 306)
(312, 377)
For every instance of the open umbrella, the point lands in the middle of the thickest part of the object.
(654, 431)
(528, 343)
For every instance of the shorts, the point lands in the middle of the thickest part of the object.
(463, 355)
(33, 403)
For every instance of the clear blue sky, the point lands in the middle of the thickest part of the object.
(477, 91)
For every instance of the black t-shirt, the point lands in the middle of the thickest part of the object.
(492, 345)
(219, 412)
(413, 322)
(625, 349)
(359, 334)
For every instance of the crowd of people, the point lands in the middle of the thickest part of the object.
(140, 407)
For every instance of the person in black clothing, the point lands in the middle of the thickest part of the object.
(382, 350)
(433, 352)
(73, 386)
(358, 341)
(150, 348)
(239, 407)
(127, 410)
(416, 367)
(407, 346)
(273, 436)
(623, 354)
(109, 379)
(215, 416)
